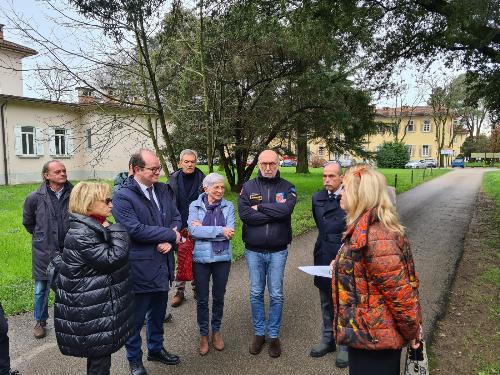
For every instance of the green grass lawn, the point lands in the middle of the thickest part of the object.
(16, 285)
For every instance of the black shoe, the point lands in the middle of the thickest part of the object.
(168, 318)
(164, 357)
(322, 349)
(137, 368)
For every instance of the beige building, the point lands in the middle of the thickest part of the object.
(93, 139)
(417, 129)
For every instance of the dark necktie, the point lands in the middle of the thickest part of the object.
(150, 193)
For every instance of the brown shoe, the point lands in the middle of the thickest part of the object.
(274, 348)
(217, 341)
(203, 345)
(40, 330)
(178, 299)
(256, 344)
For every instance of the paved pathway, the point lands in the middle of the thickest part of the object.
(436, 214)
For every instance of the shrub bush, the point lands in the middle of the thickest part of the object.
(392, 155)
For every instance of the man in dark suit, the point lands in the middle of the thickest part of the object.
(330, 220)
(145, 208)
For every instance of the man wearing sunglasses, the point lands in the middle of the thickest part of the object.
(144, 206)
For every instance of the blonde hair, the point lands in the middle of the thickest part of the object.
(365, 189)
(84, 194)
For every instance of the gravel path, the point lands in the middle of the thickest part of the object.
(436, 214)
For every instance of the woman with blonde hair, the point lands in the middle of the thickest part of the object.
(93, 311)
(375, 294)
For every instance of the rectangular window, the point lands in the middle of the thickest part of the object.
(28, 140)
(321, 151)
(426, 127)
(410, 127)
(88, 135)
(425, 150)
(60, 141)
(409, 148)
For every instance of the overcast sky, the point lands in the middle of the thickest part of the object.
(38, 14)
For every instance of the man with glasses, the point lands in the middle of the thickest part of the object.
(186, 185)
(265, 206)
(330, 220)
(145, 208)
(46, 218)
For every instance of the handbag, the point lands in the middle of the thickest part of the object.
(416, 360)
(185, 257)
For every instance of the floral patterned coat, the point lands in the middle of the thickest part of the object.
(375, 288)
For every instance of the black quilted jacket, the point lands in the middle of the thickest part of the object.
(93, 311)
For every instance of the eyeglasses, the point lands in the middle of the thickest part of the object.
(154, 169)
(269, 165)
(107, 200)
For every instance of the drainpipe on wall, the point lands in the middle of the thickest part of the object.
(4, 142)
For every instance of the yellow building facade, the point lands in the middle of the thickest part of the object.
(417, 130)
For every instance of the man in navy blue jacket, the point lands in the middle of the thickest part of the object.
(145, 207)
(330, 220)
(265, 206)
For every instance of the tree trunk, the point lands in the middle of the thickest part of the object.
(302, 159)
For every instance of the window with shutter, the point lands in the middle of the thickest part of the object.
(426, 127)
(40, 141)
(425, 150)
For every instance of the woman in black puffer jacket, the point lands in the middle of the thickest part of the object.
(93, 311)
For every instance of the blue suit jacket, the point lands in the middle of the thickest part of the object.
(147, 227)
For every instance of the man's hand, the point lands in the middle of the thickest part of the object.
(177, 237)
(106, 224)
(163, 247)
(228, 233)
(255, 207)
(196, 223)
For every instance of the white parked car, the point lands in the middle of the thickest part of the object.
(416, 164)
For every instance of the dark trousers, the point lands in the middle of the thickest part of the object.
(327, 317)
(374, 362)
(4, 344)
(220, 273)
(99, 365)
(154, 304)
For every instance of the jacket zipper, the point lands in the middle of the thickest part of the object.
(268, 201)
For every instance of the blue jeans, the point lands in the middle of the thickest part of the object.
(154, 304)
(266, 267)
(41, 301)
(219, 271)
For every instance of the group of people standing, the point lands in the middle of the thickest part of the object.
(114, 278)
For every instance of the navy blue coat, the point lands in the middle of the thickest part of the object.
(270, 227)
(330, 220)
(151, 270)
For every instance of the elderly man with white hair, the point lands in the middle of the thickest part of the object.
(211, 223)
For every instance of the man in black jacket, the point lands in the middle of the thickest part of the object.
(265, 206)
(46, 218)
(186, 184)
(330, 220)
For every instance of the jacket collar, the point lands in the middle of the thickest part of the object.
(43, 189)
(88, 221)
(358, 232)
(272, 180)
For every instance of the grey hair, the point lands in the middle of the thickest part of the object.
(188, 151)
(333, 162)
(45, 168)
(212, 179)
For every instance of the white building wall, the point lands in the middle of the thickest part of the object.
(115, 136)
(11, 79)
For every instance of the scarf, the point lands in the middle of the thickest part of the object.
(215, 217)
(99, 219)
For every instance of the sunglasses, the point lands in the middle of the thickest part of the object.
(108, 200)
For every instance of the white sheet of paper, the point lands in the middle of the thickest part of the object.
(323, 271)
